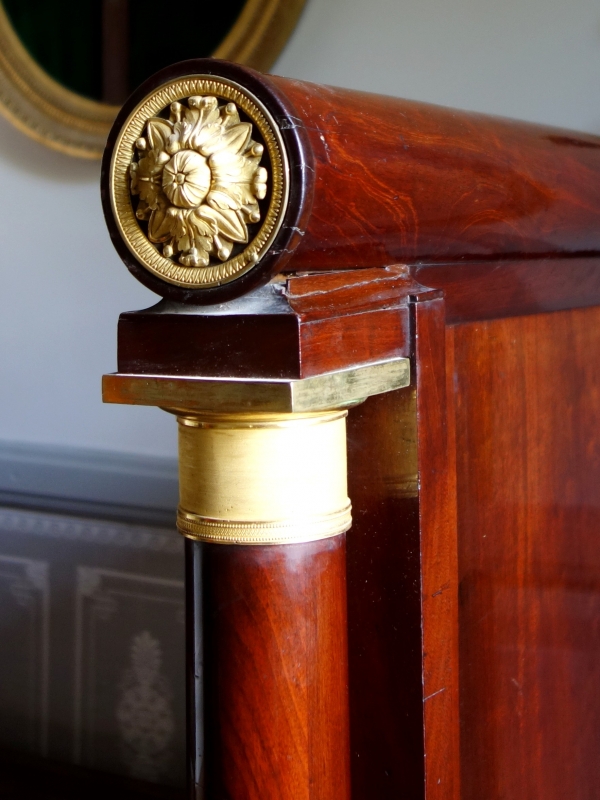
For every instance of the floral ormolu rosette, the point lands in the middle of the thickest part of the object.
(199, 180)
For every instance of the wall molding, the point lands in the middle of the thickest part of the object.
(90, 531)
(89, 483)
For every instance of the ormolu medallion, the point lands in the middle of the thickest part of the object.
(199, 182)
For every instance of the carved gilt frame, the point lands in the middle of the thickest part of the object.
(59, 118)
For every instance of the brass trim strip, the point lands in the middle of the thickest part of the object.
(272, 532)
(238, 395)
(240, 421)
(263, 480)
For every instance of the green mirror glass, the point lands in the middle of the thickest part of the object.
(67, 65)
(103, 49)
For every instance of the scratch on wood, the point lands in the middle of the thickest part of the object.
(429, 696)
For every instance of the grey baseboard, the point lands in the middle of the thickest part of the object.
(89, 483)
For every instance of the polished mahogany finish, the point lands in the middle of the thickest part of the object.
(482, 580)
(401, 593)
(312, 325)
(325, 321)
(276, 671)
(495, 289)
(376, 181)
(528, 475)
(505, 411)
(513, 442)
(403, 181)
(470, 244)
(439, 584)
(402, 583)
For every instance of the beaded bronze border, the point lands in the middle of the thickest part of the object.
(133, 235)
(293, 531)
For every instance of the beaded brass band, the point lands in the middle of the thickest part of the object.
(308, 529)
(263, 479)
(264, 461)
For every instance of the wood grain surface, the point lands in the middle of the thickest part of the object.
(402, 583)
(528, 476)
(276, 671)
(507, 414)
(377, 181)
(397, 180)
(439, 583)
(511, 288)
(305, 326)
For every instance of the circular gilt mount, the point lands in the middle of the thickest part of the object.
(198, 182)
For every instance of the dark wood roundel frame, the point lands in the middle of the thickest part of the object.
(300, 157)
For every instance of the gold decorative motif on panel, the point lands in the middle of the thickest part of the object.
(198, 178)
(198, 200)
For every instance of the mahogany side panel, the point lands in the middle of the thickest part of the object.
(439, 557)
(402, 583)
(397, 180)
(507, 288)
(528, 476)
(276, 671)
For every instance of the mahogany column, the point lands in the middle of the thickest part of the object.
(266, 584)
(267, 630)
(275, 666)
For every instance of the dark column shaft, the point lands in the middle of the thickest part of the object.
(194, 670)
(275, 670)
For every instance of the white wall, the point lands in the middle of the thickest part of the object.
(62, 284)
(531, 59)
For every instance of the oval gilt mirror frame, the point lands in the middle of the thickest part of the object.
(44, 109)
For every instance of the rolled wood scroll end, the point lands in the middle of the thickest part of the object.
(206, 181)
